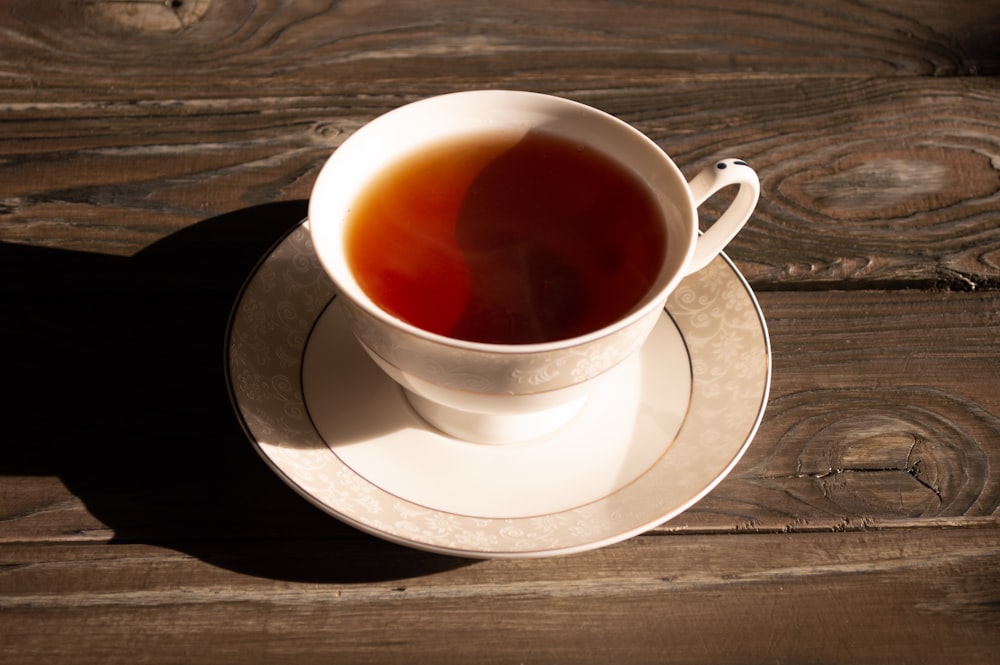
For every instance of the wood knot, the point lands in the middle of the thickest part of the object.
(150, 15)
(885, 453)
(892, 184)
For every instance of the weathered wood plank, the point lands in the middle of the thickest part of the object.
(883, 411)
(152, 150)
(141, 50)
(883, 182)
(750, 598)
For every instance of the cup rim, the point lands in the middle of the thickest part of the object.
(326, 235)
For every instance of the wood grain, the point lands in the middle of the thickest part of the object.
(862, 598)
(881, 182)
(883, 411)
(871, 174)
(153, 150)
(135, 50)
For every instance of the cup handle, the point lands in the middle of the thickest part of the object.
(723, 173)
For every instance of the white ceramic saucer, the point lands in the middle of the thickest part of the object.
(658, 434)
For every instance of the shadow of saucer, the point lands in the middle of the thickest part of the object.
(117, 365)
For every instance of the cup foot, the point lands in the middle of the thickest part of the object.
(494, 428)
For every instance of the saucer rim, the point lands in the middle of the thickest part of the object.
(584, 544)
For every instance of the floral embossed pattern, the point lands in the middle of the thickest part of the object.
(511, 373)
(723, 331)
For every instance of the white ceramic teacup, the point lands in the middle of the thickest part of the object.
(501, 393)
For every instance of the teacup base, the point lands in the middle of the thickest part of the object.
(497, 429)
(493, 418)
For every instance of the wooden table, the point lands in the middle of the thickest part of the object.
(153, 150)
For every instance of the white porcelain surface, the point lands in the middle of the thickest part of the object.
(665, 428)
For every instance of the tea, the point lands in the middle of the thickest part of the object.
(490, 238)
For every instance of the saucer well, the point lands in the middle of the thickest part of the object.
(658, 433)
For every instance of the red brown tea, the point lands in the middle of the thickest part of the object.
(512, 241)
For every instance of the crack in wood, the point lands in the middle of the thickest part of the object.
(913, 470)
